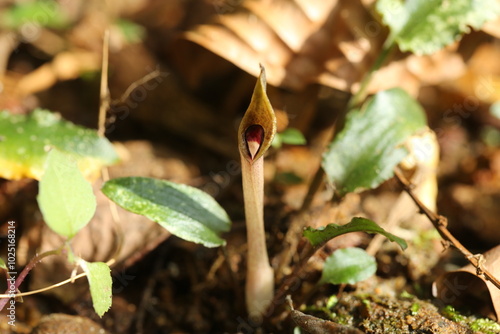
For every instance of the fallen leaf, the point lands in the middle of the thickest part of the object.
(464, 286)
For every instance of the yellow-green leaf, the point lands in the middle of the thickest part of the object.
(100, 282)
(65, 198)
(26, 139)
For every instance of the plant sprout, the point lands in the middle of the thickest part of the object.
(255, 135)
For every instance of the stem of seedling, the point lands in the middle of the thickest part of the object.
(256, 133)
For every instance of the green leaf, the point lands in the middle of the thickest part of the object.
(132, 32)
(25, 140)
(348, 266)
(2, 264)
(44, 13)
(100, 282)
(184, 211)
(65, 198)
(425, 26)
(290, 136)
(365, 152)
(318, 237)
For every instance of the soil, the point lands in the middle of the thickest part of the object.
(182, 127)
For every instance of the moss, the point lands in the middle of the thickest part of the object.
(486, 326)
(375, 314)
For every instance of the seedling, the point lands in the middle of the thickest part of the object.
(255, 135)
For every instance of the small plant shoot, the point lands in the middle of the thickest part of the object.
(256, 133)
(348, 266)
(184, 211)
(365, 152)
(65, 198)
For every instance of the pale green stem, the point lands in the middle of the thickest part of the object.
(259, 289)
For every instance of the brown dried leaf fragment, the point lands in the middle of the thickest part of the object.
(467, 286)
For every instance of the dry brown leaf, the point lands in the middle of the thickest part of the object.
(298, 42)
(481, 81)
(414, 71)
(463, 286)
(65, 66)
(492, 28)
(333, 43)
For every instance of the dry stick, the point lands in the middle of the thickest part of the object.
(101, 130)
(293, 279)
(23, 275)
(150, 76)
(51, 287)
(440, 223)
(104, 93)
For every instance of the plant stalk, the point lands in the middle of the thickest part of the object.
(259, 289)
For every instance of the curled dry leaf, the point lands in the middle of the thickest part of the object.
(330, 42)
(299, 42)
(464, 286)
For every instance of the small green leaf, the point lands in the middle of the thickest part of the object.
(184, 211)
(132, 32)
(100, 282)
(2, 264)
(425, 26)
(320, 236)
(26, 139)
(45, 13)
(365, 152)
(348, 266)
(65, 198)
(290, 136)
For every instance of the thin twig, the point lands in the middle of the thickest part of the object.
(104, 94)
(53, 286)
(292, 279)
(440, 223)
(23, 275)
(150, 76)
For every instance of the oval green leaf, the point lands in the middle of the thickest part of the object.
(25, 140)
(318, 237)
(348, 266)
(184, 211)
(365, 152)
(425, 26)
(100, 283)
(65, 198)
